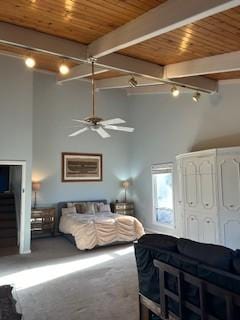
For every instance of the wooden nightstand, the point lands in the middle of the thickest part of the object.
(123, 208)
(43, 222)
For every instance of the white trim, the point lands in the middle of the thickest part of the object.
(166, 17)
(214, 64)
(23, 164)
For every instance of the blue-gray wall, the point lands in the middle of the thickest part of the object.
(16, 123)
(167, 126)
(54, 107)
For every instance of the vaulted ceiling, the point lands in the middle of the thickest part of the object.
(85, 21)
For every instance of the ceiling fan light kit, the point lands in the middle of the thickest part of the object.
(97, 124)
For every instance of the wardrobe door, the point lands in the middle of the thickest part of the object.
(207, 183)
(193, 227)
(230, 183)
(209, 231)
(190, 184)
(232, 234)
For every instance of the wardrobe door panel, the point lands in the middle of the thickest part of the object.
(230, 183)
(190, 184)
(232, 234)
(193, 226)
(209, 231)
(207, 184)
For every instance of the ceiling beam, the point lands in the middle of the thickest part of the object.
(166, 17)
(48, 44)
(161, 89)
(214, 64)
(78, 72)
(195, 83)
(26, 38)
(123, 82)
(131, 65)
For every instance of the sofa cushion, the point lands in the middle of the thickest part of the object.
(160, 241)
(236, 261)
(209, 254)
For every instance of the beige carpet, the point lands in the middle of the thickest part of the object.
(58, 282)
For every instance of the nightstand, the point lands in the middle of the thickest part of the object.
(126, 208)
(43, 222)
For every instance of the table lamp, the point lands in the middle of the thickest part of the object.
(125, 185)
(35, 187)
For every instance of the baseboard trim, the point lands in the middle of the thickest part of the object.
(26, 252)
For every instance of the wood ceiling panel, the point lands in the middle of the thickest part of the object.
(207, 37)
(79, 20)
(225, 75)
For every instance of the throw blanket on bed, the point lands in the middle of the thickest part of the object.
(101, 229)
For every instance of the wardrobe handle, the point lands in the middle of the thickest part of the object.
(231, 205)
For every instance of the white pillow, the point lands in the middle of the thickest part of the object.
(90, 208)
(70, 204)
(70, 210)
(104, 208)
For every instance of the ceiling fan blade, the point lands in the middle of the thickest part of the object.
(104, 134)
(74, 134)
(126, 129)
(112, 121)
(81, 121)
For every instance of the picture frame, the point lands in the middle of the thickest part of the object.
(81, 167)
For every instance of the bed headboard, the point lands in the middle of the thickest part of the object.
(63, 204)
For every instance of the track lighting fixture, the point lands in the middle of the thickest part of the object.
(30, 62)
(132, 82)
(63, 68)
(175, 91)
(196, 96)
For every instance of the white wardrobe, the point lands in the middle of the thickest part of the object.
(208, 197)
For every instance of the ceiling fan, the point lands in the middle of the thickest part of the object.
(96, 123)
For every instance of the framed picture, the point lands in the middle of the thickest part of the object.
(78, 167)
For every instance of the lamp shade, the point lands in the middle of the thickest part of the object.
(36, 186)
(125, 184)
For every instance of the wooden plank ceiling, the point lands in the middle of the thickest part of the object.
(85, 21)
(211, 36)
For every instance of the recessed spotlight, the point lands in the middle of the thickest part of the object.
(132, 82)
(175, 91)
(63, 69)
(196, 96)
(30, 62)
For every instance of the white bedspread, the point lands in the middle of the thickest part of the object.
(100, 229)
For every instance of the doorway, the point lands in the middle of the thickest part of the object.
(12, 206)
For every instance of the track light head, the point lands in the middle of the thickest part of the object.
(63, 68)
(30, 62)
(132, 82)
(196, 96)
(175, 91)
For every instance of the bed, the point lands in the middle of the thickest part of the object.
(94, 228)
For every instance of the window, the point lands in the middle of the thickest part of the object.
(163, 204)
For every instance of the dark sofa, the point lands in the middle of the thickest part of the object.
(184, 279)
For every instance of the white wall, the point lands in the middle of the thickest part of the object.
(16, 122)
(166, 126)
(54, 107)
